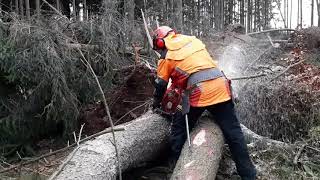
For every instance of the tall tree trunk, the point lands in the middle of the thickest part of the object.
(230, 12)
(129, 9)
(258, 23)
(74, 6)
(211, 14)
(16, 4)
(312, 12)
(290, 14)
(27, 9)
(0, 9)
(222, 16)
(58, 6)
(298, 17)
(287, 13)
(284, 11)
(216, 14)
(21, 8)
(301, 7)
(242, 12)
(178, 15)
(249, 15)
(85, 10)
(38, 8)
(318, 5)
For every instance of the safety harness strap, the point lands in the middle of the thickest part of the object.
(193, 80)
(204, 75)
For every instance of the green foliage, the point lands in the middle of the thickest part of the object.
(43, 80)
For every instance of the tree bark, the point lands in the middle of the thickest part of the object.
(242, 12)
(178, 15)
(318, 8)
(38, 8)
(142, 140)
(312, 12)
(85, 10)
(58, 5)
(290, 14)
(21, 8)
(249, 16)
(27, 9)
(129, 9)
(301, 7)
(16, 4)
(201, 160)
(74, 6)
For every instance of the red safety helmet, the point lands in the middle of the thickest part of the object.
(158, 36)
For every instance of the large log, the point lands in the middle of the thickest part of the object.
(201, 160)
(141, 141)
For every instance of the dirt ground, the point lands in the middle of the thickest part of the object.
(127, 101)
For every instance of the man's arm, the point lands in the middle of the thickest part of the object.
(163, 74)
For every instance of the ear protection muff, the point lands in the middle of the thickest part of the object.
(158, 43)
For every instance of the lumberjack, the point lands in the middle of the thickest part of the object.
(186, 61)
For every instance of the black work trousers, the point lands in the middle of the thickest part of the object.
(224, 115)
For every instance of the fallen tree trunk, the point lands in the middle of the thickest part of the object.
(264, 142)
(141, 141)
(201, 160)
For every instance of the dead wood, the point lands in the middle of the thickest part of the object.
(263, 142)
(271, 30)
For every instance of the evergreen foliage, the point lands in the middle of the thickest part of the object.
(43, 82)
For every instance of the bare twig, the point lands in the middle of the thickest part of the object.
(85, 61)
(147, 32)
(53, 8)
(271, 30)
(61, 150)
(132, 111)
(79, 137)
(287, 69)
(315, 149)
(247, 77)
(296, 157)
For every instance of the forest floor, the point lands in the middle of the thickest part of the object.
(133, 97)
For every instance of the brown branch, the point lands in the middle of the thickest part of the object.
(60, 150)
(131, 111)
(296, 157)
(287, 69)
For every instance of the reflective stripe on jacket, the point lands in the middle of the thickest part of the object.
(186, 55)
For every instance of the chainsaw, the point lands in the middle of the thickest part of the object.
(171, 100)
(171, 103)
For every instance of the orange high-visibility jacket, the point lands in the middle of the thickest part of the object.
(186, 55)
